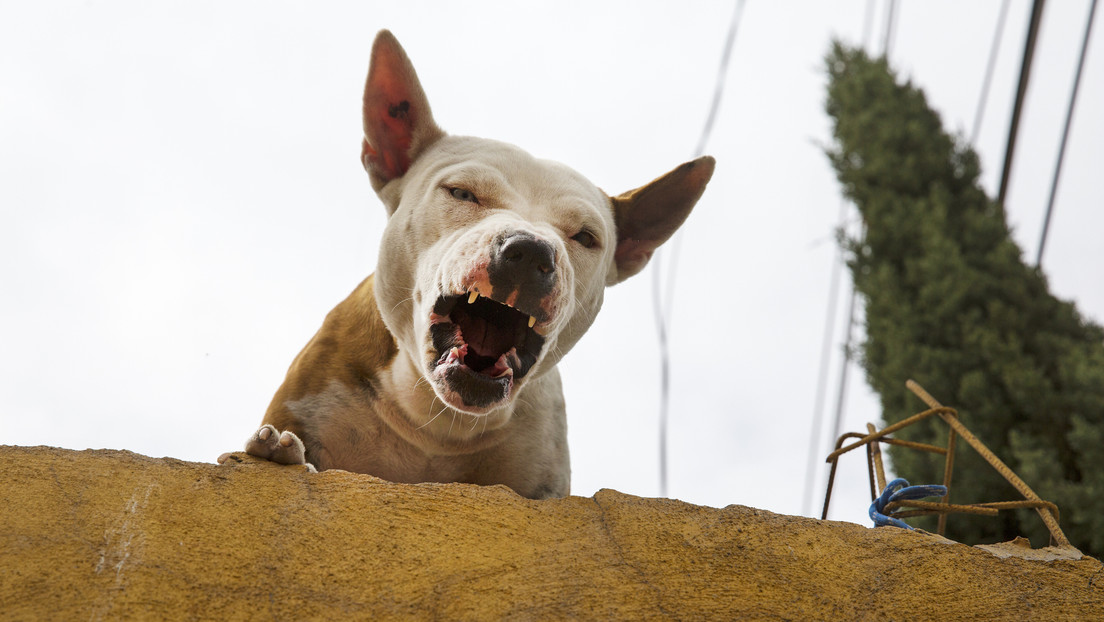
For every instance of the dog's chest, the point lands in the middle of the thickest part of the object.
(343, 429)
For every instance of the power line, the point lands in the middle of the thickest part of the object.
(830, 322)
(890, 29)
(1065, 134)
(994, 49)
(722, 73)
(841, 395)
(703, 139)
(822, 373)
(868, 23)
(848, 347)
(662, 310)
(1021, 92)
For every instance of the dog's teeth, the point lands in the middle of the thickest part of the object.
(454, 355)
(472, 297)
(532, 321)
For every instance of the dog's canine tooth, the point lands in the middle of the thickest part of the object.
(532, 321)
(472, 297)
(454, 355)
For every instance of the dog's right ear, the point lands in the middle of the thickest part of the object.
(398, 124)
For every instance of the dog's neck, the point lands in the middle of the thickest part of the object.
(423, 419)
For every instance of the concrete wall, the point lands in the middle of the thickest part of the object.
(114, 535)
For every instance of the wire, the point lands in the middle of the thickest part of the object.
(722, 74)
(1065, 135)
(830, 324)
(841, 396)
(848, 346)
(703, 140)
(868, 23)
(994, 50)
(890, 29)
(822, 373)
(660, 306)
(1021, 92)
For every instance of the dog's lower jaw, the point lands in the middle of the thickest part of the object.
(469, 391)
(425, 419)
(477, 393)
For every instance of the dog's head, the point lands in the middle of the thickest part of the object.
(493, 263)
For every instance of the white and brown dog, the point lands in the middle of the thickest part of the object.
(441, 367)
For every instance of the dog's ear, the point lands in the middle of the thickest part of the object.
(649, 215)
(398, 124)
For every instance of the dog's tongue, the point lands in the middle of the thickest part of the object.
(483, 338)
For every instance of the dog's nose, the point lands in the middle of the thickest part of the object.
(528, 255)
(524, 263)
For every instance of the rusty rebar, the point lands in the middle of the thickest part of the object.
(923, 508)
(876, 459)
(934, 507)
(1049, 519)
(914, 445)
(1047, 511)
(832, 472)
(948, 468)
(886, 431)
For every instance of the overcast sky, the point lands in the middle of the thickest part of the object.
(182, 203)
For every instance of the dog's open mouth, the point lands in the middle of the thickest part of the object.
(482, 346)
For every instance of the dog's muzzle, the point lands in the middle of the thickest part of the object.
(489, 337)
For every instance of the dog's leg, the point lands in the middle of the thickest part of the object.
(282, 448)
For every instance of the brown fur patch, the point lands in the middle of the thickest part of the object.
(354, 326)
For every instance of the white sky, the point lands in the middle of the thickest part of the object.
(182, 202)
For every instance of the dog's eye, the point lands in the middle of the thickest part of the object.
(586, 239)
(460, 194)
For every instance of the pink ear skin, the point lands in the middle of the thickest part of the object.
(648, 216)
(398, 123)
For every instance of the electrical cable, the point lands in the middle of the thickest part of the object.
(868, 23)
(848, 347)
(1065, 135)
(662, 306)
(830, 325)
(994, 51)
(841, 395)
(890, 29)
(822, 373)
(1021, 93)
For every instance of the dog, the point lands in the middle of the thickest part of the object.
(441, 366)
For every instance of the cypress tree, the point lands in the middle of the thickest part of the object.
(950, 303)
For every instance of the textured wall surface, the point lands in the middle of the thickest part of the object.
(111, 534)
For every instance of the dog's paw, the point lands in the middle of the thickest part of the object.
(280, 447)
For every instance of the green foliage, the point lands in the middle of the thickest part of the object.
(951, 304)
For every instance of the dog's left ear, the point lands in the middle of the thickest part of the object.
(398, 123)
(648, 216)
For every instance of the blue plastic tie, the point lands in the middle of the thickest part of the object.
(899, 490)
